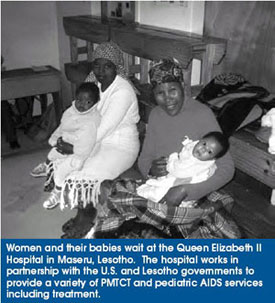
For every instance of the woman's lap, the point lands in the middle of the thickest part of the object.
(107, 162)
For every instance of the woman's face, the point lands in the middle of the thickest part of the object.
(170, 97)
(104, 70)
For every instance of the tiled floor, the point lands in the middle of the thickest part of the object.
(27, 145)
(22, 214)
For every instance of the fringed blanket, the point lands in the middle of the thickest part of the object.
(209, 219)
(75, 192)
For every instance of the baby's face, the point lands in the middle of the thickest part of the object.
(84, 101)
(206, 149)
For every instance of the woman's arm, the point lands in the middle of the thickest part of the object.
(174, 196)
(118, 106)
(224, 174)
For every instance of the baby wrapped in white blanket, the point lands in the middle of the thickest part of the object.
(194, 164)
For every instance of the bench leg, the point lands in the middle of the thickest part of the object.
(7, 122)
(43, 103)
(57, 106)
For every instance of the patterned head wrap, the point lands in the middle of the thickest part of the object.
(166, 70)
(111, 52)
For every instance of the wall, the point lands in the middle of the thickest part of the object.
(96, 8)
(249, 29)
(29, 34)
(187, 17)
(33, 34)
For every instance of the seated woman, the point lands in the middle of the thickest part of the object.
(117, 142)
(174, 118)
(169, 123)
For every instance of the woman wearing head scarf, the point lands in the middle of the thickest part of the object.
(117, 142)
(174, 118)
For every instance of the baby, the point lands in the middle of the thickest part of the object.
(194, 164)
(78, 127)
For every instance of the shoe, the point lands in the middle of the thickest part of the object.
(40, 170)
(68, 225)
(53, 200)
(78, 232)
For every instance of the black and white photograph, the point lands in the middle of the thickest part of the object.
(137, 119)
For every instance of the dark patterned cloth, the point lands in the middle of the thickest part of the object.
(227, 84)
(209, 220)
(234, 100)
(49, 183)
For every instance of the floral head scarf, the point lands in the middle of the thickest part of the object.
(166, 70)
(111, 52)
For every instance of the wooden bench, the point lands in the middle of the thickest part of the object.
(252, 158)
(141, 44)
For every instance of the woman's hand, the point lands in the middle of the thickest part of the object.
(158, 168)
(174, 196)
(63, 147)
